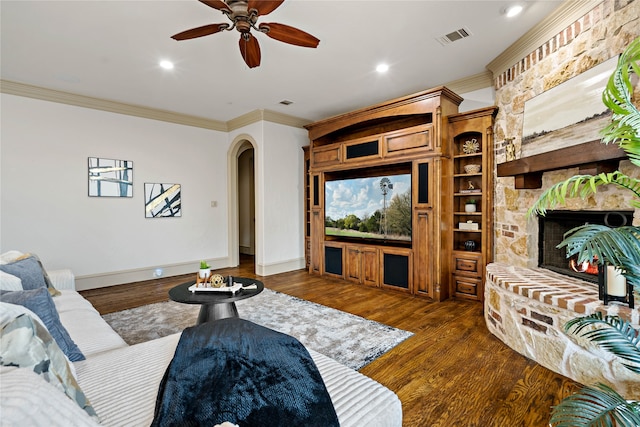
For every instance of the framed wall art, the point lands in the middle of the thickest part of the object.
(568, 114)
(162, 200)
(110, 177)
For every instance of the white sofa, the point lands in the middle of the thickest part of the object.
(121, 381)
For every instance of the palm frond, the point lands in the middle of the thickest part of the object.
(583, 186)
(598, 406)
(618, 97)
(612, 334)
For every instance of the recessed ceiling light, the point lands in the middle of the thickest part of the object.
(382, 68)
(514, 10)
(167, 65)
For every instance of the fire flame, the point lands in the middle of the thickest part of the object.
(584, 267)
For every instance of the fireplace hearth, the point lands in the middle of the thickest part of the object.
(555, 224)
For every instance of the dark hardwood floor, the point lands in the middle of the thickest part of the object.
(452, 372)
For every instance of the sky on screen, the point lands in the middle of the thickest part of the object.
(361, 196)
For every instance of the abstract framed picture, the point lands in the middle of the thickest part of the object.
(162, 200)
(110, 177)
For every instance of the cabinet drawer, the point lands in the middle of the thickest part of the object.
(467, 286)
(467, 264)
(325, 156)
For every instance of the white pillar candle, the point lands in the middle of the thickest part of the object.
(616, 282)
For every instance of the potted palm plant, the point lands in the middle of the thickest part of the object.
(600, 405)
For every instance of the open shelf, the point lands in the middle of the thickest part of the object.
(471, 249)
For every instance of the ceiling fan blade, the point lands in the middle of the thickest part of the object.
(250, 50)
(216, 4)
(264, 7)
(288, 34)
(205, 30)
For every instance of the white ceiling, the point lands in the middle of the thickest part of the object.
(110, 50)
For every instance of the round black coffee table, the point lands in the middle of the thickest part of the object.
(215, 305)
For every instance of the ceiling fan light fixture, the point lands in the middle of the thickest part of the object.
(244, 15)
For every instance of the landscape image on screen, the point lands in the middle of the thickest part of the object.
(369, 208)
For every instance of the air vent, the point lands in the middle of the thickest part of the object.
(453, 36)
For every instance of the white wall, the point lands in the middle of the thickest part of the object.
(283, 167)
(279, 169)
(46, 209)
(480, 98)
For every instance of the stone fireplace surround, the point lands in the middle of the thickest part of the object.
(525, 306)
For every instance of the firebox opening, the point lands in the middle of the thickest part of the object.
(555, 224)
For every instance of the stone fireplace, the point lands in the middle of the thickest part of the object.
(527, 306)
(571, 51)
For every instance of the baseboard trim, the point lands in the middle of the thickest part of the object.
(280, 267)
(102, 280)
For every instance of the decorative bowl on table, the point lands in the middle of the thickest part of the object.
(472, 168)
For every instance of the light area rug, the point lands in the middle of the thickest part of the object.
(349, 339)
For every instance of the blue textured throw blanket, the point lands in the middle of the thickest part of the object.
(235, 370)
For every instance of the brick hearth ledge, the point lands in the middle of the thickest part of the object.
(527, 308)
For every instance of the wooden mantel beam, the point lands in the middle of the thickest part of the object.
(591, 157)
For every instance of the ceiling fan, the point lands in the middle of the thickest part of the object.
(244, 15)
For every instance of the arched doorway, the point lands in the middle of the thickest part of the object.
(242, 200)
(246, 203)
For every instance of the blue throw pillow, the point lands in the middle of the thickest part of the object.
(40, 302)
(28, 270)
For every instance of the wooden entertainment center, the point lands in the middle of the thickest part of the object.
(424, 136)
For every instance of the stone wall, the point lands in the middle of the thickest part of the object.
(527, 309)
(601, 34)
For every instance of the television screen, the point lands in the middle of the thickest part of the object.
(376, 208)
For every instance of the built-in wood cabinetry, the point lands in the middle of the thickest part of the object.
(412, 136)
(407, 135)
(307, 207)
(471, 136)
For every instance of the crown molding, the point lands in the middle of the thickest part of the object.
(566, 14)
(267, 116)
(36, 92)
(45, 94)
(468, 84)
(284, 119)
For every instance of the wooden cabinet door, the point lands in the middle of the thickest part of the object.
(317, 230)
(370, 267)
(362, 265)
(422, 259)
(353, 261)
